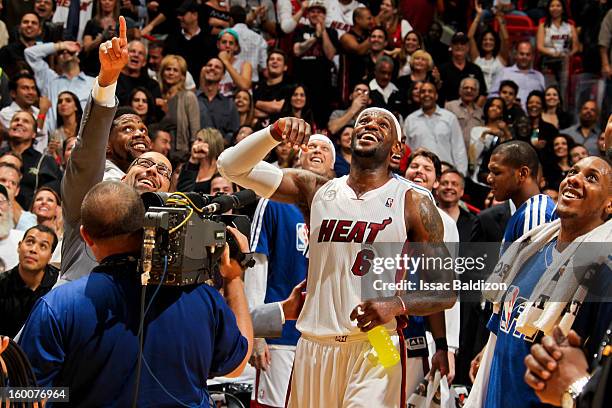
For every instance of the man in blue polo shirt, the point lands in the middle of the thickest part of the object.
(84, 334)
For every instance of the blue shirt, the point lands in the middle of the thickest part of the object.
(537, 210)
(84, 335)
(506, 385)
(280, 233)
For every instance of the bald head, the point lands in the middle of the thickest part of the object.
(112, 209)
(150, 172)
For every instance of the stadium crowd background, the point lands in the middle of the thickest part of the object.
(461, 77)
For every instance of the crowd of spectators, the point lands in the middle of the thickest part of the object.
(204, 75)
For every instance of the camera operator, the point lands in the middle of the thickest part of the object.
(105, 133)
(84, 334)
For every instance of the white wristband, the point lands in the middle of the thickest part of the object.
(243, 164)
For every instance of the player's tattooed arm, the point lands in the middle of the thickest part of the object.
(425, 231)
(298, 186)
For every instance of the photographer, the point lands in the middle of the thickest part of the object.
(84, 334)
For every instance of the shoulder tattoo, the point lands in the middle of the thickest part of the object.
(430, 219)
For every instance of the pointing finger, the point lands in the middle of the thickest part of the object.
(122, 30)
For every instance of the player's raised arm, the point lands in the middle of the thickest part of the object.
(243, 164)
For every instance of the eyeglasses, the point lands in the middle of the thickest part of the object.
(162, 169)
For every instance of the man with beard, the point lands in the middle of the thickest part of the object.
(51, 83)
(120, 138)
(586, 131)
(280, 242)
(368, 206)
(9, 237)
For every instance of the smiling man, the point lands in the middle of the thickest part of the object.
(31, 279)
(280, 243)
(38, 170)
(113, 145)
(370, 206)
(545, 264)
(436, 129)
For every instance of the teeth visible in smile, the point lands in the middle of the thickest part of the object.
(316, 160)
(148, 182)
(369, 137)
(569, 194)
(139, 146)
(418, 179)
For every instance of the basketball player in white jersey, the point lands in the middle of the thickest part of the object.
(369, 206)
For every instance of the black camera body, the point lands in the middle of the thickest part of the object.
(183, 241)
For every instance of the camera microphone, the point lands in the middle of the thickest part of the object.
(224, 203)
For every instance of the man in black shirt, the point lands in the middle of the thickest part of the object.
(134, 74)
(508, 90)
(270, 94)
(356, 45)
(31, 279)
(11, 55)
(38, 170)
(190, 41)
(216, 110)
(458, 68)
(315, 46)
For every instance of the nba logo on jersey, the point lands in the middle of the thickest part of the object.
(301, 237)
(389, 202)
(512, 295)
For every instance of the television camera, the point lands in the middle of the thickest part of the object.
(185, 234)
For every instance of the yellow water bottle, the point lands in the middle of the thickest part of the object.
(379, 338)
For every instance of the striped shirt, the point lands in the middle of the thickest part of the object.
(537, 210)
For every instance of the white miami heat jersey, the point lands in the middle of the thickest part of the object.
(341, 227)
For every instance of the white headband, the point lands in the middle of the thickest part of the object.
(398, 128)
(324, 139)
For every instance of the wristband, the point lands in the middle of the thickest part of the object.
(404, 308)
(276, 130)
(441, 344)
(41, 116)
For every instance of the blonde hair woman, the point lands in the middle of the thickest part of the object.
(198, 172)
(180, 106)
(422, 68)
